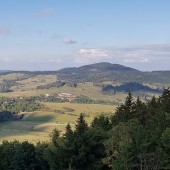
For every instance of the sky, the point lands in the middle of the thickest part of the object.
(53, 34)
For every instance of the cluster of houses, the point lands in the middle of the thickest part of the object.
(63, 96)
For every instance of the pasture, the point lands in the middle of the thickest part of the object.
(37, 126)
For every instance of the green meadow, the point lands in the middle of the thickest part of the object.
(37, 126)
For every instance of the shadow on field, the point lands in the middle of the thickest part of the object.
(40, 118)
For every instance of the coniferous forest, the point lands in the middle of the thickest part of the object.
(136, 137)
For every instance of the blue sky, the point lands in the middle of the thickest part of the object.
(52, 34)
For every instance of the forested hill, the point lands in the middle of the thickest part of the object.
(131, 86)
(99, 68)
(101, 72)
(5, 71)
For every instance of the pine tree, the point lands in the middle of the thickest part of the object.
(69, 134)
(81, 125)
(54, 136)
(140, 111)
(125, 111)
(102, 122)
(165, 100)
(24, 157)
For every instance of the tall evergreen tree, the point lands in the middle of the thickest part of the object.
(81, 125)
(125, 111)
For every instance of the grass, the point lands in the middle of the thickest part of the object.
(33, 82)
(86, 89)
(37, 126)
(27, 88)
(10, 76)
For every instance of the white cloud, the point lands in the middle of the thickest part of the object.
(132, 54)
(87, 55)
(143, 53)
(135, 57)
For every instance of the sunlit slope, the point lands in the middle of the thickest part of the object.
(37, 126)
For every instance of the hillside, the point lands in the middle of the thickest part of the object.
(5, 71)
(101, 72)
(98, 68)
(80, 81)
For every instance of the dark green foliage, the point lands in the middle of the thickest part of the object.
(165, 100)
(81, 149)
(16, 105)
(44, 98)
(82, 99)
(6, 85)
(5, 116)
(140, 135)
(71, 84)
(7, 151)
(81, 125)
(125, 111)
(130, 86)
(9, 107)
(42, 162)
(86, 99)
(98, 67)
(22, 156)
(102, 122)
(54, 84)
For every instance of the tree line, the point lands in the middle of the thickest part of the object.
(161, 77)
(10, 107)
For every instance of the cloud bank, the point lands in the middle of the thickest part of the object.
(91, 55)
(132, 54)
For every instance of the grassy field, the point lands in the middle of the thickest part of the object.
(32, 82)
(10, 76)
(28, 88)
(37, 126)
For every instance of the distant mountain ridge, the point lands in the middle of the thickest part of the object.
(5, 71)
(101, 72)
(98, 67)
